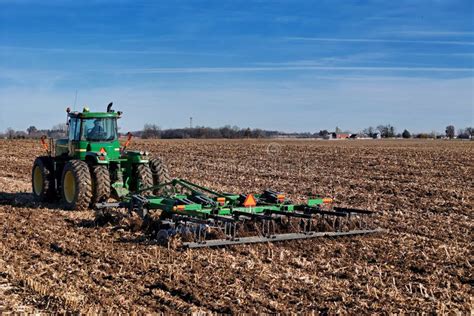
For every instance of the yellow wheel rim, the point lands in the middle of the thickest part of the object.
(69, 186)
(37, 180)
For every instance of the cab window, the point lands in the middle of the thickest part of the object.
(99, 129)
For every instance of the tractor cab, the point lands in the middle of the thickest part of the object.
(91, 135)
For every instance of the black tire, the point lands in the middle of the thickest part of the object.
(162, 237)
(160, 173)
(76, 185)
(100, 176)
(43, 173)
(143, 178)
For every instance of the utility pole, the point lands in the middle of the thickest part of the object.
(191, 122)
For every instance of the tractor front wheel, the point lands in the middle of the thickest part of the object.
(42, 178)
(76, 185)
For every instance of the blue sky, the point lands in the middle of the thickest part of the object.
(289, 65)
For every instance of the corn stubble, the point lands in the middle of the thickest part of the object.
(54, 260)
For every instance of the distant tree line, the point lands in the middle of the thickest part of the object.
(57, 131)
(151, 131)
(234, 132)
(389, 131)
(465, 133)
(381, 131)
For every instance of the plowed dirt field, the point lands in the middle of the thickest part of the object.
(55, 260)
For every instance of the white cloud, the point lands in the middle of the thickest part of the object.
(190, 70)
(378, 40)
(55, 50)
(435, 33)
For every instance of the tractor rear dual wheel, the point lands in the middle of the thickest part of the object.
(143, 177)
(83, 186)
(160, 173)
(100, 184)
(76, 188)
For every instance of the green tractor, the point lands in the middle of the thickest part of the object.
(90, 166)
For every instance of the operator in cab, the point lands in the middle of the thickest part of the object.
(97, 131)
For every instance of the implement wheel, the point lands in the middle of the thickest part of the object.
(76, 188)
(42, 179)
(100, 184)
(160, 173)
(143, 178)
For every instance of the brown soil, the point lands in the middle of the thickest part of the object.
(55, 260)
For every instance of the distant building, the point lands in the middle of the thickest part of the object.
(341, 135)
(360, 136)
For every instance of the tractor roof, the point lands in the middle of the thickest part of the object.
(94, 114)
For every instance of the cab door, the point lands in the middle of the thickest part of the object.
(74, 136)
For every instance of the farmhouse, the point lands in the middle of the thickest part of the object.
(340, 135)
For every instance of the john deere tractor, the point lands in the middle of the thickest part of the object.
(90, 166)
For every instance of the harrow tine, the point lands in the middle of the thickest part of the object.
(230, 230)
(308, 226)
(202, 232)
(268, 228)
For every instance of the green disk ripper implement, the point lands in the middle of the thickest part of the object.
(202, 217)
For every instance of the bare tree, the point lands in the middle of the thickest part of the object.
(450, 131)
(391, 131)
(466, 133)
(151, 131)
(470, 131)
(369, 131)
(31, 130)
(61, 127)
(386, 130)
(10, 133)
